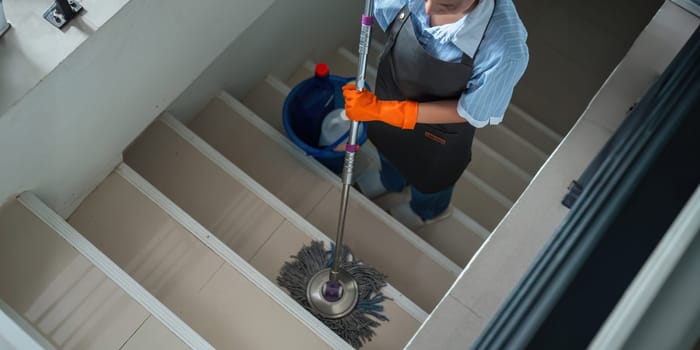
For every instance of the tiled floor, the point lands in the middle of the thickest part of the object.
(153, 335)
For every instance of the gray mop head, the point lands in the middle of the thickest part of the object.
(358, 326)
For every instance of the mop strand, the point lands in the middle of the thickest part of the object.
(357, 327)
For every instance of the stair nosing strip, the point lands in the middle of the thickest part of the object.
(299, 154)
(548, 132)
(25, 336)
(288, 213)
(113, 272)
(309, 65)
(231, 257)
(490, 191)
(278, 85)
(470, 223)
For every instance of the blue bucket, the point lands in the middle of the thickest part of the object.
(330, 158)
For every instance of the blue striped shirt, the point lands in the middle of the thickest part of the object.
(499, 63)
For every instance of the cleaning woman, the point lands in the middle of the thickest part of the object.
(448, 67)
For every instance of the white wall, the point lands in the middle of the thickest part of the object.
(277, 43)
(67, 133)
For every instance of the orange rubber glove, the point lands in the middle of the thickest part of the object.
(364, 106)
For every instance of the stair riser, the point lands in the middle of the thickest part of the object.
(513, 147)
(488, 211)
(497, 172)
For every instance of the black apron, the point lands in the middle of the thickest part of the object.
(431, 157)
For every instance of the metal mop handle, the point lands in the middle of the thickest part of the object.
(352, 147)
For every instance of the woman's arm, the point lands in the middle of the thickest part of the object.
(439, 112)
(364, 106)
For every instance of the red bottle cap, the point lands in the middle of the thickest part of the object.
(321, 70)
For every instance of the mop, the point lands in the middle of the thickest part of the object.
(338, 289)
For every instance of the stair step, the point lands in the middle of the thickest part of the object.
(267, 100)
(531, 129)
(17, 333)
(208, 293)
(306, 71)
(458, 236)
(497, 171)
(70, 293)
(153, 335)
(490, 207)
(341, 62)
(344, 56)
(460, 248)
(231, 128)
(247, 218)
(513, 147)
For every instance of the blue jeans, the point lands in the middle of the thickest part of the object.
(426, 205)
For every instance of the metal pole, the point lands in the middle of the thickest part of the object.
(352, 147)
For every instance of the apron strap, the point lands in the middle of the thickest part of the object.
(396, 27)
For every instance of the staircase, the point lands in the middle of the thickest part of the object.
(180, 245)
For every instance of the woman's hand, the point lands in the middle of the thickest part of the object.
(364, 106)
